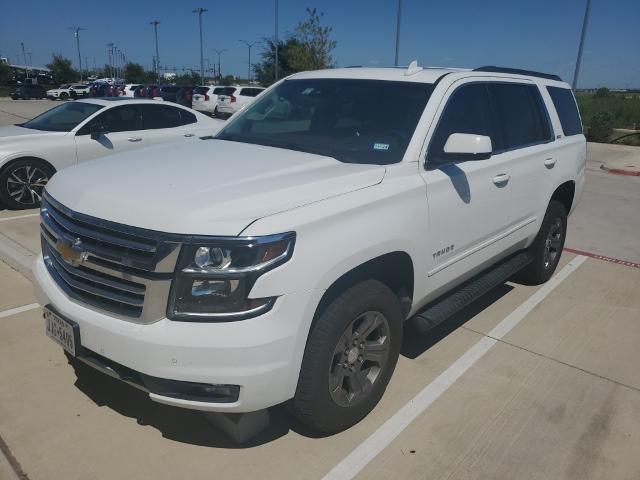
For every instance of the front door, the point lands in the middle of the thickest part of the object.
(123, 127)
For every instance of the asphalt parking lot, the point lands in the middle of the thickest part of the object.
(528, 382)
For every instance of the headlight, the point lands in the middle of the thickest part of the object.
(215, 275)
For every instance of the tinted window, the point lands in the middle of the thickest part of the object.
(187, 117)
(355, 121)
(218, 91)
(227, 91)
(201, 90)
(250, 92)
(567, 110)
(520, 115)
(117, 119)
(63, 118)
(160, 116)
(467, 111)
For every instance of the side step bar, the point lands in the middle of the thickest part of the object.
(454, 301)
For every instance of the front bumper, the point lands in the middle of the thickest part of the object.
(262, 355)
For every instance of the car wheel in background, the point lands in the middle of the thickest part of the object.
(350, 355)
(64, 96)
(22, 183)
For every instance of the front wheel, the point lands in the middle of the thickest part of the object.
(22, 183)
(547, 247)
(350, 356)
(64, 96)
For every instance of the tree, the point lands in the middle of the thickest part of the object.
(61, 70)
(309, 47)
(600, 127)
(601, 93)
(314, 48)
(228, 80)
(134, 73)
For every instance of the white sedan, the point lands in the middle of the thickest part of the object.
(31, 152)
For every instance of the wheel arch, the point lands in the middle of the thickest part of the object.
(565, 193)
(394, 269)
(10, 162)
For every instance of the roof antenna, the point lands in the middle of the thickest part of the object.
(413, 68)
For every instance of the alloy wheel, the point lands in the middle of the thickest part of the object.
(359, 358)
(553, 243)
(25, 184)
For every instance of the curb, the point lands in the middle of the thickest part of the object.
(620, 171)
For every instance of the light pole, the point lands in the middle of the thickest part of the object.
(249, 45)
(219, 52)
(200, 11)
(582, 35)
(109, 52)
(155, 24)
(76, 33)
(24, 54)
(398, 32)
(276, 42)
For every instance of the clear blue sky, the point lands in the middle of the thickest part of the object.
(541, 35)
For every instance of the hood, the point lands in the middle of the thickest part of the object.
(209, 187)
(11, 132)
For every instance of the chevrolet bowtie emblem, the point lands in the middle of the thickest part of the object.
(71, 253)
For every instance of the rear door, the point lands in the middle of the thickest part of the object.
(469, 201)
(526, 141)
(124, 132)
(166, 123)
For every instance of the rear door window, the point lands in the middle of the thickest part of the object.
(519, 114)
(118, 119)
(187, 117)
(160, 116)
(565, 104)
(467, 111)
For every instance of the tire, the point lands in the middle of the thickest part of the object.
(335, 387)
(64, 96)
(547, 247)
(22, 183)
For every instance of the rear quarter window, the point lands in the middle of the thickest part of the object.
(565, 104)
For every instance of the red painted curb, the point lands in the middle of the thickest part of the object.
(620, 171)
(597, 256)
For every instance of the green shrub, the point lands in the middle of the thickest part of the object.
(600, 127)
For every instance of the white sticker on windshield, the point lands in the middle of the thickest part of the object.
(381, 146)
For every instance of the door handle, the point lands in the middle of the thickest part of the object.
(135, 139)
(550, 162)
(188, 134)
(501, 178)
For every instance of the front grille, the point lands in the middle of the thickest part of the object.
(122, 270)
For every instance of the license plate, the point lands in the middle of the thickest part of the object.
(63, 331)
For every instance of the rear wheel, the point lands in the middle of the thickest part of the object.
(64, 96)
(351, 353)
(22, 183)
(548, 245)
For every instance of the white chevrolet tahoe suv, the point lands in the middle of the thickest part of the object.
(278, 259)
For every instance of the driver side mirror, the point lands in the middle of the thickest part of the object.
(468, 146)
(97, 130)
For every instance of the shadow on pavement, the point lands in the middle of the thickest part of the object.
(417, 340)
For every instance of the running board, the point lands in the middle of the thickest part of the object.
(452, 302)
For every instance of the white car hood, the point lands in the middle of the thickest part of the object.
(211, 187)
(13, 133)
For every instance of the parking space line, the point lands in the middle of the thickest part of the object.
(364, 453)
(18, 217)
(14, 311)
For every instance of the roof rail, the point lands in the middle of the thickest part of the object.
(517, 71)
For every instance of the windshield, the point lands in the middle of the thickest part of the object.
(353, 121)
(201, 90)
(63, 118)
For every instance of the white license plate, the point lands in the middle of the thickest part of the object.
(63, 331)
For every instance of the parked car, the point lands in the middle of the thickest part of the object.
(63, 92)
(130, 88)
(205, 99)
(99, 89)
(27, 91)
(31, 152)
(278, 261)
(182, 95)
(232, 99)
(80, 90)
